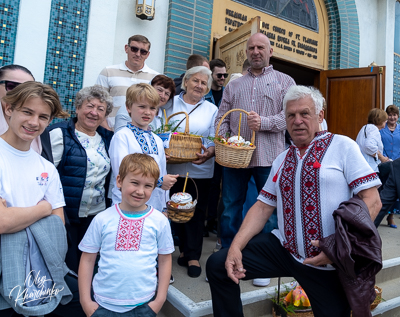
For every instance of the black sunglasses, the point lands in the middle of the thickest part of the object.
(10, 85)
(222, 75)
(135, 49)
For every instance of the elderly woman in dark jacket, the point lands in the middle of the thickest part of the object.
(80, 151)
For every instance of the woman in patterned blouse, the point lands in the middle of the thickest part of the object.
(80, 151)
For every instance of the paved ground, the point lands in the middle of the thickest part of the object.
(197, 288)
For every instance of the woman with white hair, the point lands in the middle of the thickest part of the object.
(80, 151)
(195, 84)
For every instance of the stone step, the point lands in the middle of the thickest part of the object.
(255, 303)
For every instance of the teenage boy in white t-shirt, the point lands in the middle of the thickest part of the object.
(30, 187)
(129, 236)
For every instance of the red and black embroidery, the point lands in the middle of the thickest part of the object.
(310, 199)
(129, 234)
(267, 195)
(362, 180)
(287, 186)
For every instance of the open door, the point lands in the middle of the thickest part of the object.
(231, 48)
(350, 94)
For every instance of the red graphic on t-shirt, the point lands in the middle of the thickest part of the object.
(43, 179)
(129, 234)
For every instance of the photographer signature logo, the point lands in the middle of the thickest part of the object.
(27, 293)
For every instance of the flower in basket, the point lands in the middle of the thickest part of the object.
(237, 141)
(298, 298)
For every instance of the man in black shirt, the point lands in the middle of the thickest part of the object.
(219, 75)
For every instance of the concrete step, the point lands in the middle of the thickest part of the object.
(256, 303)
(190, 297)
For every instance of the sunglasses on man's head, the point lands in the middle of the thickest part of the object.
(135, 49)
(224, 75)
(10, 85)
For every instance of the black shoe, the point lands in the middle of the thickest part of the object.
(194, 271)
(183, 261)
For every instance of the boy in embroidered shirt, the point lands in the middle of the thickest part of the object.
(142, 102)
(129, 236)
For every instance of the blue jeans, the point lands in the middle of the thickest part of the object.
(140, 311)
(234, 192)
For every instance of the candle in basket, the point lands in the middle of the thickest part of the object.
(165, 116)
(184, 186)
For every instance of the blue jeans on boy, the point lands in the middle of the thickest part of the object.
(140, 311)
(234, 192)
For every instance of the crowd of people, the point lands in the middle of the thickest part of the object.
(84, 200)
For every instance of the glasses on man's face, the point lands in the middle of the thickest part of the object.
(222, 75)
(9, 85)
(135, 49)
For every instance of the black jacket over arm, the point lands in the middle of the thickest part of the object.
(356, 252)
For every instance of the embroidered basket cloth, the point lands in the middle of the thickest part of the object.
(233, 156)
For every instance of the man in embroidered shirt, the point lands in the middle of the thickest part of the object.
(259, 92)
(118, 78)
(307, 183)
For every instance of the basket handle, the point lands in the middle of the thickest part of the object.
(195, 186)
(174, 114)
(253, 136)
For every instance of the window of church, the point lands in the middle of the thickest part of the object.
(301, 12)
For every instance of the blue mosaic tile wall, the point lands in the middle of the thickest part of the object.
(9, 10)
(396, 80)
(66, 49)
(344, 34)
(188, 32)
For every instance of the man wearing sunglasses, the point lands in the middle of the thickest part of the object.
(118, 78)
(219, 75)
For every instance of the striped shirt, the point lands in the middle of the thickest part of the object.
(116, 79)
(264, 95)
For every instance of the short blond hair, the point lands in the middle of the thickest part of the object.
(142, 92)
(33, 89)
(139, 163)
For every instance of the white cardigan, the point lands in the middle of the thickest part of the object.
(370, 142)
(201, 122)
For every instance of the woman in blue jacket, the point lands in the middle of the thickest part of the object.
(80, 151)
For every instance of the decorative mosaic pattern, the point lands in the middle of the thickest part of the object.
(188, 32)
(9, 10)
(344, 34)
(396, 80)
(66, 49)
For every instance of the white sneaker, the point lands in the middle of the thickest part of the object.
(171, 280)
(261, 282)
(206, 279)
(218, 247)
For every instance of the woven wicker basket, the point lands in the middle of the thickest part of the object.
(279, 312)
(233, 156)
(183, 147)
(182, 215)
(378, 298)
(297, 313)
